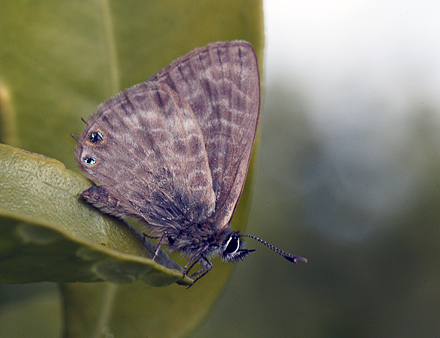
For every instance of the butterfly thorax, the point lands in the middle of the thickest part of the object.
(195, 239)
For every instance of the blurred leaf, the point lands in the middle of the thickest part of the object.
(58, 61)
(42, 314)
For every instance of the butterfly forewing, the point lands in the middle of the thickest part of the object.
(150, 158)
(221, 84)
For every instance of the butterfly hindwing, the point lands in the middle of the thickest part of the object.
(148, 153)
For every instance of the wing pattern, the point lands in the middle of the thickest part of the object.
(174, 150)
(150, 157)
(221, 84)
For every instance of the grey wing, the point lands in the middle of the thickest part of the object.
(222, 85)
(146, 149)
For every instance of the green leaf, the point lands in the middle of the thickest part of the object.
(58, 61)
(48, 234)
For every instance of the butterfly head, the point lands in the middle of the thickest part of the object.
(230, 248)
(233, 248)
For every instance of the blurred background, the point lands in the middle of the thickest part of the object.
(347, 175)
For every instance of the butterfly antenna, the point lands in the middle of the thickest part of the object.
(286, 255)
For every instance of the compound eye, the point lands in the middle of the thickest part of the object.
(232, 245)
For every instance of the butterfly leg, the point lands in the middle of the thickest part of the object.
(159, 245)
(193, 260)
(202, 272)
(188, 267)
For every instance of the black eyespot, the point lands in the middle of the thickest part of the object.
(96, 136)
(89, 160)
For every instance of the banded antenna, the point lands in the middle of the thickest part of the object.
(286, 255)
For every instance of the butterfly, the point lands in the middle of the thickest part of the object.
(174, 152)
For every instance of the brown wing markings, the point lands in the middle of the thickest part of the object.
(109, 176)
(161, 178)
(170, 188)
(182, 76)
(243, 141)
